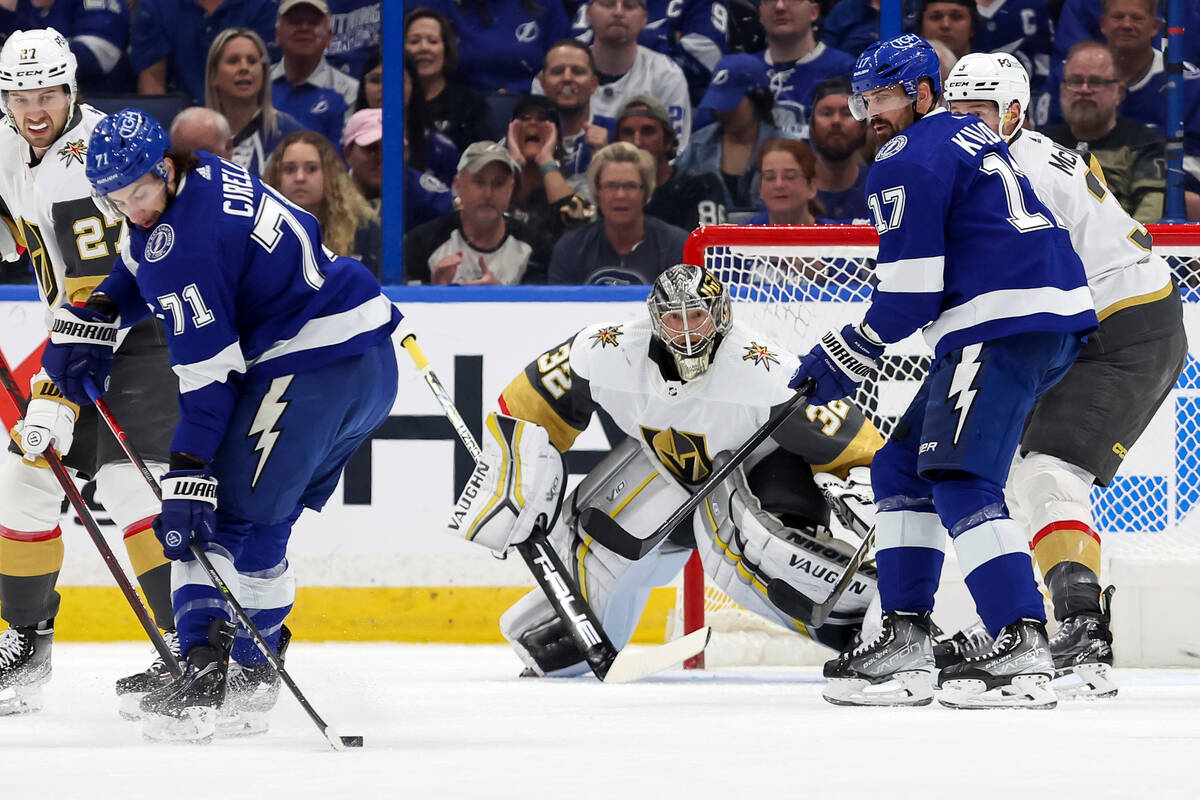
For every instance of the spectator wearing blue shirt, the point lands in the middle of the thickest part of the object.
(795, 62)
(96, 30)
(569, 81)
(237, 86)
(740, 100)
(303, 83)
(172, 38)
(837, 137)
(1023, 28)
(852, 25)
(357, 27)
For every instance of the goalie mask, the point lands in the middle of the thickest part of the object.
(689, 309)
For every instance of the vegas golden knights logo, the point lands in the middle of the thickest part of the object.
(684, 454)
(40, 259)
(709, 286)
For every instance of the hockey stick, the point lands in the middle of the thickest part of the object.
(609, 665)
(336, 741)
(93, 529)
(792, 601)
(608, 532)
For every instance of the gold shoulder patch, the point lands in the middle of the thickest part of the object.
(606, 336)
(73, 151)
(760, 355)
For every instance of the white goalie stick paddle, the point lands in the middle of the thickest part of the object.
(609, 665)
(608, 532)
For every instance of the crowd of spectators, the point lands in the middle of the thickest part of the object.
(578, 141)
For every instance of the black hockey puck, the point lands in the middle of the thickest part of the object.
(352, 741)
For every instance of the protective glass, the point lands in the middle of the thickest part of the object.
(864, 105)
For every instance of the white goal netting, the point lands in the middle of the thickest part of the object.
(796, 283)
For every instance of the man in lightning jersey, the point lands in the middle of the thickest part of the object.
(72, 245)
(1082, 428)
(684, 384)
(285, 366)
(971, 257)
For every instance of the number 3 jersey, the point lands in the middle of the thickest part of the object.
(681, 425)
(246, 293)
(967, 251)
(71, 243)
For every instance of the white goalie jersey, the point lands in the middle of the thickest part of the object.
(71, 243)
(1114, 248)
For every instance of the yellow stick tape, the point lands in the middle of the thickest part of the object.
(459, 614)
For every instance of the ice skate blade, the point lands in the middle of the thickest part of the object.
(1085, 682)
(23, 699)
(1024, 691)
(235, 724)
(195, 725)
(912, 688)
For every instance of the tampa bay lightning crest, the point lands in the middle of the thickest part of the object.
(891, 147)
(159, 242)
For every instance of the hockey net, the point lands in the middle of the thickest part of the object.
(794, 283)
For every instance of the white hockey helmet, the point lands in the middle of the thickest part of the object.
(690, 310)
(36, 59)
(998, 77)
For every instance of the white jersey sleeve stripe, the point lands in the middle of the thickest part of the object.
(994, 538)
(216, 369)
(334, 329)
(911, 275)
(1008, 303)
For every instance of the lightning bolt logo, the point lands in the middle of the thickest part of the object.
(265, 419)
(960, 384)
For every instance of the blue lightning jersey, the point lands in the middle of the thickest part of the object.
(967, 251)
(792, 84)
(1022, 28)
(246, 293)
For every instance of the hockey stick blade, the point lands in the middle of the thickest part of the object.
(340, 743)
(633, 666)
(608, 532)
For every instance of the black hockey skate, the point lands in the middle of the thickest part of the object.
(132, 688)
(1082, 646)
(24, 668)
(893, 669)
(185, 710)
(971, 641)
(252, 693)
(1014, 673)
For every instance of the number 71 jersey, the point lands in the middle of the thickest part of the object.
(71, 243)
(967, 251)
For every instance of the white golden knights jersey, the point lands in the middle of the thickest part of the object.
(1114, 248)
(681, 425)
(71, 243)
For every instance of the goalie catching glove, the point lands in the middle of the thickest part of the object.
(517, 485)
(49, 421)
(839, 363)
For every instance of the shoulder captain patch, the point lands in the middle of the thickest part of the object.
(759, 354)
(607, 336)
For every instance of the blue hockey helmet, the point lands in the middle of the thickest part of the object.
(124, 147)
(903, 60)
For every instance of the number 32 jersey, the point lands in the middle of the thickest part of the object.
(967, 251)
(681, 426)
(246, 293)
(71, 243)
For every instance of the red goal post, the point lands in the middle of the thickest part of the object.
(795, 282)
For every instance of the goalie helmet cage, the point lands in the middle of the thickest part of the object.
(793, 283)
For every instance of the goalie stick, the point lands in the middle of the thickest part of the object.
(608, 532)
(93, 530)
(335, 740)
(606, 662)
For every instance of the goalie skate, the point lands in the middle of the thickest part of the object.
(24, 669)
(893, 669)
(1083, 656)
(1015, 673)
(132, 688)
(251, 693)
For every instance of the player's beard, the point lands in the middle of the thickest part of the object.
(886, 133)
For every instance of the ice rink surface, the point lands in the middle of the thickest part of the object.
(455, 722)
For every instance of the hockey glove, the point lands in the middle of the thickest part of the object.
(852, 500)
(49, 420)
(841, 361)
(189, 511)
(82, 341)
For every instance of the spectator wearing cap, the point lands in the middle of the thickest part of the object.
(357, 27)
(427, 150)
(362, 148)
(543, 196)
(502, 43)
(795, 62)
(479, 243)
(626, 69)
(787, 169)
(454, 110)
(741, 101)
(97, 33)
(684, 199)
(839, 174)
(171, 40)
(303, 83)
(568, 78)
(237, 86)
(624, 246)
(200, 128)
